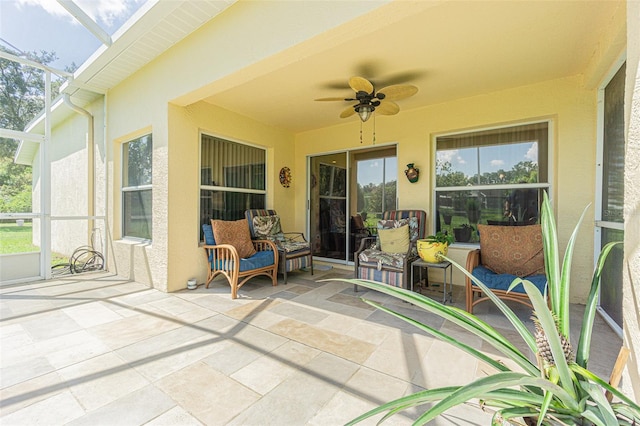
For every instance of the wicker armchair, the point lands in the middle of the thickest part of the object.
(223, 259)
(294, 251)
(371, 263)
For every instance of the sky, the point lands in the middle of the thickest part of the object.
(37, 25)
(492, 158)
(371, 171)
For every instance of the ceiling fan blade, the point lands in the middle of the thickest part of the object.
(387, 108)
(348, 112)
(360, 84)
(334, 99)
(398, 91)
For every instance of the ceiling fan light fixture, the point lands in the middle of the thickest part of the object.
(364, 111)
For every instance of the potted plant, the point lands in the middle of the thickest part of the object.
(473, 210)
(463, 233)
(447, 214)
(433, 247)
(556, 389)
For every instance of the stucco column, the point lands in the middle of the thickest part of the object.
(631, 288)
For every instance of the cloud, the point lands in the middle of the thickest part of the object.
(101, 11)
(447, 156)
(532, 153)
(497, 163)
(461, 160)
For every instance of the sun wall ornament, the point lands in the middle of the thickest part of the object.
(285, 177)
(412, 173)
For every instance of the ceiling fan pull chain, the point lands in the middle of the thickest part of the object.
(374, 129)
(361, 132)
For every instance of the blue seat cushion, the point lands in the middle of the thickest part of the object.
(208, 235)
(503, 281)
(258, 260)
(209, 240)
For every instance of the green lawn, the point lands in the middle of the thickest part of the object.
(17, 239)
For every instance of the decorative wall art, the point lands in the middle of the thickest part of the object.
(285, 177)
(412, 173)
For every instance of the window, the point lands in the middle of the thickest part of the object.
(136, 188)
(493, 176)
(232, 179)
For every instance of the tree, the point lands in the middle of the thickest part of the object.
(445, 176)
(21, 99)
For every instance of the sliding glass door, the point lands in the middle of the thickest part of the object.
(348, 191)
(610, 196)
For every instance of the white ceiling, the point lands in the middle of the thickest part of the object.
(449, 49)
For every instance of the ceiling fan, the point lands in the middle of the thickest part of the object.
(369, 100)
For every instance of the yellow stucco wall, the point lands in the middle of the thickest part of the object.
(186, 258)
(572, 110)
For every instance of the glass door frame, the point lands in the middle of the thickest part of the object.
(599, 223)
(348, 152)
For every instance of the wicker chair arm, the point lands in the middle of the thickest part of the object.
(221, 250)
(265, 245)
(364, 243)
(296, 235)
(473, 259)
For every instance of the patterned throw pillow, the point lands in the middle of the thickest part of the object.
(236, 233)
(266, 227)
(395, 240)
(392, 223)
(513, 250)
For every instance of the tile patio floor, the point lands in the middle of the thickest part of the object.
(100, 350)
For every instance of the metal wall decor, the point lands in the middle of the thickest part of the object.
(285, 177)
(412, 173)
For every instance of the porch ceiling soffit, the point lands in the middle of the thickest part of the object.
(150, 32)
(153, 29)
(453, 49)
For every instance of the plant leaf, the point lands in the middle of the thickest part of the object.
(415, 399)
(497, 381)
(548, 324)
(509, 413)
(603, 406)
(551, 251)
(515, 321)
(445, 338)
(584, 343)
(548, 397)
(591, 414)
(581, 371)
(457, 316)
(565, 279)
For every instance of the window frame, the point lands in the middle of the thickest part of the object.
(229, 189)
(541, 186)
(127, 189)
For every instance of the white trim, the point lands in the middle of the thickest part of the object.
(34, 64)
(86, 21)
(600, 224)
(15, 134)
(137, 188)
(605, 316)
(226, 188)
(548, 185)
(347, 152)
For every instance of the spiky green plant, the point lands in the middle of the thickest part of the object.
(556, 390)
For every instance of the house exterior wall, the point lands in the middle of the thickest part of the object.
(74, 179)
(136, 108)
(570, 106)
(186, 257)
